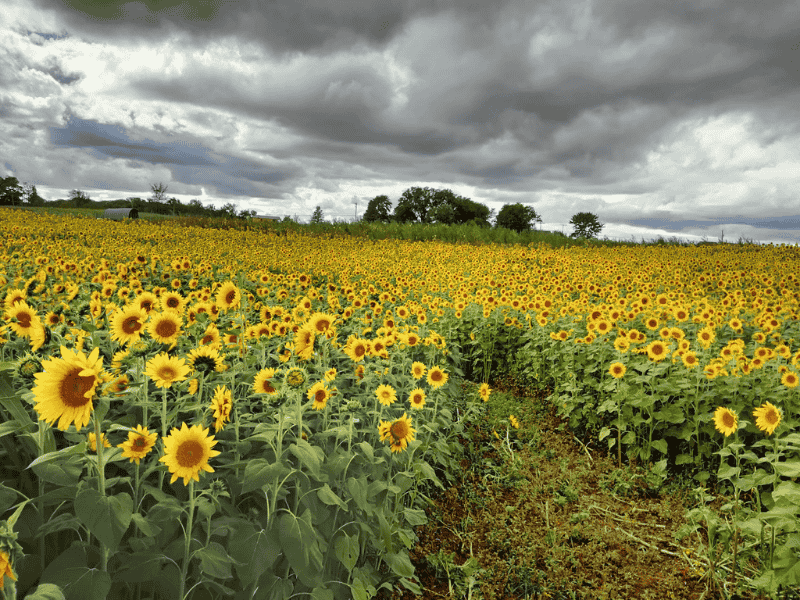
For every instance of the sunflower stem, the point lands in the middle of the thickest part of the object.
(163, 434)
(187, 541)
(101, 483)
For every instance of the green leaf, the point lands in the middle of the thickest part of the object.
(260, 472)
(214, 561)
(255, 551)
(298, 549)
(415, 517)
(321, 593)
(140, 567)
(107, 517)
(728, 472)
(79, 448)
(69, 571)
(358, 491)
(660, 445)
(147, 528)
(65, 473)
(361, 590)
(788, 490)
(310, 456)
(400, 563)
(46, 591)
(787, 469)
(327, 495)
(347, 550)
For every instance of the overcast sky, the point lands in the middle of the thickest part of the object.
(662, 118)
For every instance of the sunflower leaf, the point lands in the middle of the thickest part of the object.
(107, 517)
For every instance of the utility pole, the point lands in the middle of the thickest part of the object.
(355, 201)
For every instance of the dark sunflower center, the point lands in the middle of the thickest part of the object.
(139, 443)
(147, 305)
(167, 373)
(319, 396)
(267, 386)
(399, 430)
(436, 376)
(205, 364)
(24, 319)
(359, 350)
(74, 388)
(173, 302)
(772, 417)
(189, 454)
(166, 328)
(230, 297)
(728, 420)
(323, 325)
(207, 339)
(131, 325)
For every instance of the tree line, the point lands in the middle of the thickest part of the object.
(427, 205)
(415, 205)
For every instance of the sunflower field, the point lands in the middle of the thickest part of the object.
(204, 413)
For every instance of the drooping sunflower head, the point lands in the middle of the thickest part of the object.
(295, 378)
(304, 342)
(187, 451)
(221, 404)
(65, 390)
(26, 369)
(205, 359)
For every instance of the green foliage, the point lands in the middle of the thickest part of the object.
(317, 217)
(11, 192)
(585, 225)
(378, 210)
(517, 217)
(426, 205)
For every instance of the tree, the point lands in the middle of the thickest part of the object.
(159, 192)
(585, 224)
(317, 216)
(10, 191)
(34, 199)
(517, 217)
(175, 205)
(426, 205)
(378, 210)
(79, 199)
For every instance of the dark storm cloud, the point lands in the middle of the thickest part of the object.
(191, 162)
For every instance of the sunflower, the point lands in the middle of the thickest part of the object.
(319, 394)
(304, 342)
(264, 382)
(22, 319)
(146, 301)
(187, 452)
(173, 301)
(117, 386)
(617, 370)
(690, 360)
(514, 422)
(386, 395)
(417, 399)
(14, 296)
(228, 296)
(165, 327)
(622, 344)
(436, 377)
(211, 337)
(221, 403)
(356, 348)
(127, 324)
(5, 568)
(790, 379)
(330, 374)
(165, 370)
(657, 350)
(768, 417)
(64, 391)
(398, 433)
(295, 378)
(725, 421)
(205, 359)
(483, 391)
(320, 323)
(417, 370)
(93, 441)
